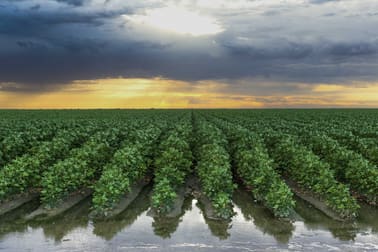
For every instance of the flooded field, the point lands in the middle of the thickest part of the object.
(251, 229)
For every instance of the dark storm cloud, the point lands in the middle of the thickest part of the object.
(357, 49)
(44, 44)
(31, 23)
(291, 51)
(35, 7)
(72, 2)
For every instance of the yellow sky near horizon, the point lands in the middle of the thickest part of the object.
(163, 93)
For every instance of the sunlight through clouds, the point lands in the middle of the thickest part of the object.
(167, 93)
(177, 20)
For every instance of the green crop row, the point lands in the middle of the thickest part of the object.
(213, 167)
(21, 142)
(80, 168)
(255, 168)
(25, 172)
(305, 168)
(343, 155)
(172, 164)
(351, 168)
(367, 147)
(129, 164)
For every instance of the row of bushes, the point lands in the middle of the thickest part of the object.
(25, 172)
(214, 167)
(305, 168)
(20, 142)
(255, 168)
(351, 168)
(172, 164)
(128, 166)
(80, 168)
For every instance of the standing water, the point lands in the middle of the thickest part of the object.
(253, 228)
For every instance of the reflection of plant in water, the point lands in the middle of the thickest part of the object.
(218, 228)
(165, 227)
(7, 227)
(281, 230)
(343, 233)
(108, 229)
(315, 220)
(60, 226)
(11, 222)
(368, 216)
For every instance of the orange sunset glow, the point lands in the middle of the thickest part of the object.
(162, 93)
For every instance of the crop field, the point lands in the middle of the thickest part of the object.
(327, 158)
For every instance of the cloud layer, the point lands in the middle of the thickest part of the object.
(45, 44)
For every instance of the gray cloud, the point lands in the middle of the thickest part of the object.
(354, 49)
(322, 1)
(73, 2)
(44, 44)
(35, 7)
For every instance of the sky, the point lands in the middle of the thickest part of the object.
(188, 54)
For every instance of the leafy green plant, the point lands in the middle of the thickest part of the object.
(304, 167)
(255, 168)
(78, 171)
(25, 172)
(350, 167)
(172, 164)
(214, 168)
(128, 165)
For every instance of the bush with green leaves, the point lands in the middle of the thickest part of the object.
(255, 168)
(80, 169)
(24, 172)
(21, 142)
(350, 167)
(128, 165)
(213, 167)
(305, 168)
(214, 171)
(367, 147)
(173, 162)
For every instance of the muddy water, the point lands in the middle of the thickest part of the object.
(252, 229)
